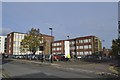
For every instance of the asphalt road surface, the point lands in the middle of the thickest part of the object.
(23, 69)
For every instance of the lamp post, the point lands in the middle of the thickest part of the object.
(68, 36)
(51, 45)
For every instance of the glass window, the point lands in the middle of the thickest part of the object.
(77, 47)
(86, 53)
(78, 53)
(81, 53)
(80, 41)
(60, 44)
(89, 40)
(59, 48)
(86, 47)
(57, 44)
(90, 46)
(90, 52)
(86, 40)
(81, 47)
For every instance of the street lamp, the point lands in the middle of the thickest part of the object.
(68, 36)
(51, 44)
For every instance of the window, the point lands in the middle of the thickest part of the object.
(78, 53)
(72, 47)
(57, 44)
(77, 47)
(58, 49)
(60, 44)
(81, 53)
(81, 47)
(77, 41)
(86, 53)
(86, 41)
(54, 44)
(90, 46)
(90, 52)
(86, 47)
(72, 42)
(53, 49)
(89, 40)
(80, 41)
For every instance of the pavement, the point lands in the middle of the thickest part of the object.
(78, 66)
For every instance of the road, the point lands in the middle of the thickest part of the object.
(0, 66)
(20, 69)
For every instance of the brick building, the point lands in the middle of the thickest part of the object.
(3, 44)
(14, 43)
(78, 46)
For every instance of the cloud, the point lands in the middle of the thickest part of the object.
(4, 31)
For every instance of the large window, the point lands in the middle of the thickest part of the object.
(81, 53)
(90, 46)
(80, 41)
(72, 47)
(72, 42)
(86, 41)
(86, 52)
(89, 40)
(86, 47)
(53, 49)
(81, 47)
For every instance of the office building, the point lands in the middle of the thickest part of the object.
(3, 44)
(78, 46)
(14, 44)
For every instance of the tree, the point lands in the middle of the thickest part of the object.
(116, 48)
(32, 41)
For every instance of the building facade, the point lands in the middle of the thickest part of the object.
(14, 44)
(3, 44)
(58, 47)
(47, 39)
(79, 46)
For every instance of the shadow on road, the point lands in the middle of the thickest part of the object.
(5, 61)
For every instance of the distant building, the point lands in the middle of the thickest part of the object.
(119, 29)
(79, 46)
(3, 44)
(14, 44)
(107, 52)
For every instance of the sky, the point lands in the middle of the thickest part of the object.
(76, 19)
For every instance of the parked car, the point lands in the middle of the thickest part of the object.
(47, 57)
(59, 57)
(29, 56)
(37, 57)
(20, 56)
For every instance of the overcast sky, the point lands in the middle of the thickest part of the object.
(74, 19)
